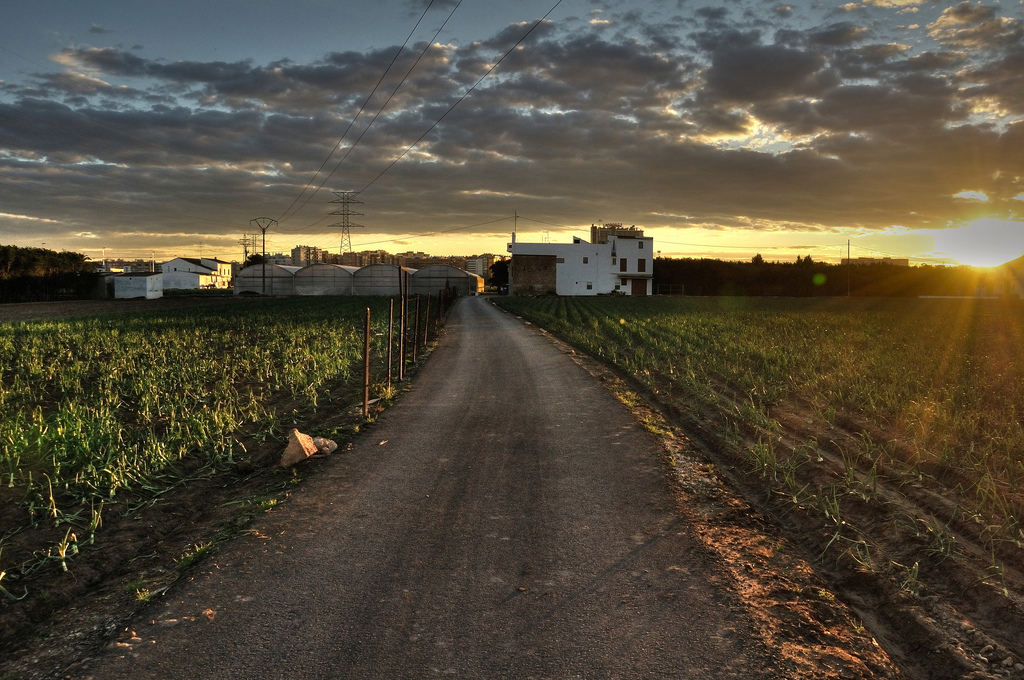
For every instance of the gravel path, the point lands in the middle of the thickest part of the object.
(506, 519)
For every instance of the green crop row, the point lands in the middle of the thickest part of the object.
(943, 378)
(94, 406)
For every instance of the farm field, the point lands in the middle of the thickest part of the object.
(117, 432)
(881, 435)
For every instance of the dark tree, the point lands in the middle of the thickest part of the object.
(40, 275)
(499, 274)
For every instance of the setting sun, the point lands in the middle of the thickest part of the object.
(986, 242)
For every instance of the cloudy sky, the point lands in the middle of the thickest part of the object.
(143, 129)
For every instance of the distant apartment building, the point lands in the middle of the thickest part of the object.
(126, 266)
(422, 260)
(367, 257)
(480, 265)
(281, 259)
(894, 261)
(618, 260)
(303, 255)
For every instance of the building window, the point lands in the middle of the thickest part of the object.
(622, 265)
(590, 286)
(614, 261)
(559, 260)
(641, 265)
(586, 260)
(640, 245)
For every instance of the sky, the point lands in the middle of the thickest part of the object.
(880, 128)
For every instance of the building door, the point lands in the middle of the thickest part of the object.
(639, 287)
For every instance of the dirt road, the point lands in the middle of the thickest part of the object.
(506, 519)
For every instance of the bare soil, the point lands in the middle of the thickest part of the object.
(42, 311)
(827, 618)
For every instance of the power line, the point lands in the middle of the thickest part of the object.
(464, 96)
(451, 108)
(435, 233)
(284, 215)
(550, 224)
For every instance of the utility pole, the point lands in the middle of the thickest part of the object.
(848, 263)
(263, 223)
(347, 199)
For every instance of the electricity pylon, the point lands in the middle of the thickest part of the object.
(347, 199)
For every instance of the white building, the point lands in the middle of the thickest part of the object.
(147, 285)
(189, 272)
(618, 260)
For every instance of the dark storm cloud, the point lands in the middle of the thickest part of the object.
(844, 33)
(335, 80)
(975, 27)
(1002, 80)
(763, 72)
(588, 72)
(732, 122)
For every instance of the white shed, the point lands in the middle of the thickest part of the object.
(324, 279)
(147, 285)
(431, 279)
(378, 279)
(271, 279)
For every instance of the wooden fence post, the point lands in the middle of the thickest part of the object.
(366, 367)
(391, 337)
(426, 322)
(401, 325)
(416, 331)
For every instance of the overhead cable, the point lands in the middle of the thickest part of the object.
(285, 215)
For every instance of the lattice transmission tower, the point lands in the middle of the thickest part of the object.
(249, 245)
(346, 199)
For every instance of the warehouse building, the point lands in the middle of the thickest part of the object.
(269, 279)
(324, 279)
(433, 278)
(379, 279)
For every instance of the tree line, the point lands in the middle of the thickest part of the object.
(805, 278)
(43, 275)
